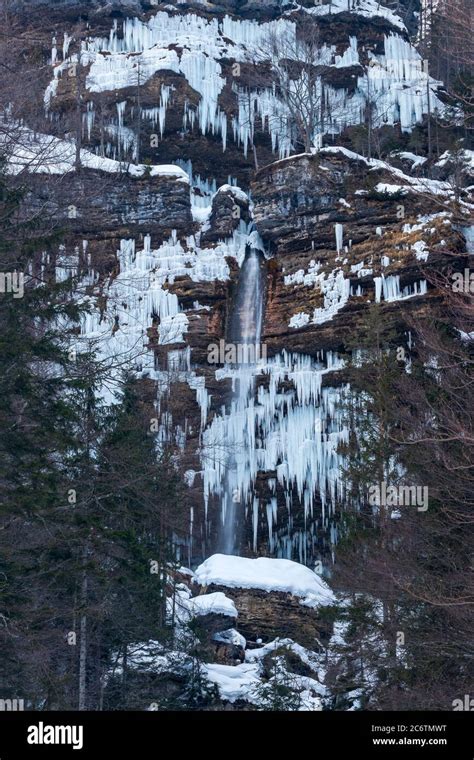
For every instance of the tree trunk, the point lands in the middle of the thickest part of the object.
(77, 161)
(429, 114)
(83, 639)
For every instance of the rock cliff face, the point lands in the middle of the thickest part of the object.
(266, 616)
(97, 206)
(303, 204)
(159, 253)
(129, 6)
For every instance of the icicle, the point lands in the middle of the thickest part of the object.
(338, 228)
(67, 41)
(255, 523)
(54, 52)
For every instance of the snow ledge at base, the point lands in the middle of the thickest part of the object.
(265, 574)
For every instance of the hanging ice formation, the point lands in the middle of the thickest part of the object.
(394, 83)
(202, 192)
(137, 295)
(339, 230)
(291, 435)
(281, 423)
(389, 288)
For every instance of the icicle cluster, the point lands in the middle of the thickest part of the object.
(394, 83)
(293, 433)
(389, 288)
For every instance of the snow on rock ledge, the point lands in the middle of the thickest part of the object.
(212, 604)
(44, 154)
(265, 574)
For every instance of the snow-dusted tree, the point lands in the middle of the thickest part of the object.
(282, 689)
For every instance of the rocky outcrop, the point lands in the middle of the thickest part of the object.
(265, 616)
(95, 201)
(94, 210)
(229, 206)
(274, 653)
(303, 203)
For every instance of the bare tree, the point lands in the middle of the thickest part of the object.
(448, 45)
(419, 565)
(295, 60)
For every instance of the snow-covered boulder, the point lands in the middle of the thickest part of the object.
(266, 574)
(274, 598)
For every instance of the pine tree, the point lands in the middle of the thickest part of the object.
(416, 567)
(34, 417)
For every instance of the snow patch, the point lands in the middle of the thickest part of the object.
(265, 574)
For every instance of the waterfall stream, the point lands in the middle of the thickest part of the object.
(244, 335)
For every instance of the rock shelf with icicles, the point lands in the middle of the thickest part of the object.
(195, 48)
(137, 294)
(337, 289)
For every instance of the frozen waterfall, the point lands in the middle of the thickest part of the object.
(245, 334)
